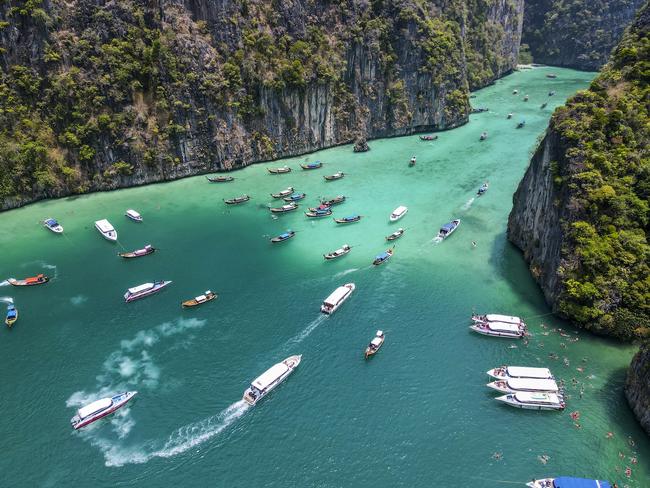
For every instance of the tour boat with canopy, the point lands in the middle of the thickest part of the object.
(144, 290)
(349, 219)
(336, 298)
(106, 229)
(495, 317)
(447, 229)
(206, 297)
(375, 344)
(39, 279)
(283, 193)
(53, 225)
(100, 408)
(342, 251)
(483, 188)
(237, 200)
(279, 171)
(507, 372)
(333, 201)
(314, 165)
(289, 207)
(295, 197)
(398, 213)
(133, 215)
(513, 385)
(383, 257)
(335, 176)
(500, 329)
(272, 377)
(534, 401)
(284, 236)
(319, 212)
(12, 315)
(395, 235)
(145, 251)
(568, 482)
(220, 179)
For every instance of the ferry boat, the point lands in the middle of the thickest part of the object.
(53, 225)
(349, 219)
(495, 317)
(284, 236)
(314, 165)
(106, 229)
(100, 408)
(144, 290)
(342, 251)
(272, 377)
(375, 344)
(284, 208)
(237, 200)
(513, 385)
(283, 193)
(506, 372)
(133, 215)
(447, 229)
(568, 482)
(500, 329)
(279, 171)
(534, 401)
(334, 201)
(39, 279)
(335, 176)
(220, 179)
(483, 188)
(383, 257)
(398, 213)
(206, 297)
(145, 251)
(336, 299)
(395, 235)
(12, 315)
(295, 197)
(318, 213)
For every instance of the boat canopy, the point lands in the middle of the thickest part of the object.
(530, 397)
(139, 288)
(351, 217)
(104, 226)
(400, 210)
(34, 279)
(270, 376)
(94, 407)
(569, 482)
(503, 327)
(284, 235)
(532, 384)
(51, 222)
(337, 295)
(376, 341)
(447, 227)
(525, 372)
(383, 255)
(201, 298)
(508, 319)
(133, 213)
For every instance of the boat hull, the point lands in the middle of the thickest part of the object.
(15, 282)
(194, 303)
(496, 333)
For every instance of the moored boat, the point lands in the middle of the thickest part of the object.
(237, 200)
(206, 297)
(284, 236)
(272, 377)
(321, 207)
(283, 193)
(53, 225)
(375, 344)
(289, 207)
(336, 298)
(12, 315)
(526, 98)
(506, 372)
(543, 106)
(333, 201)
(335, 176)
(220, 179)
(568, 482)
(279, 171)
(551, 75)
(106, 229)
(484, 135)
(144, 290)
(500, 329)
(428, 138)
(398, 213)
(447, 229)
(342, 251)
(100, 408)
(295, 197)
(395, 235)
(318, 213)
(39, 279)
(133, 215)
(551, 93)
(314, 165)
(513, 385)
(146, 250)
(482, 189)
(533, 401)
(349, 219)
(495, 317)
(383, 257)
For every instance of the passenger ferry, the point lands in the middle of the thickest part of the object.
(534, 401)
(106, 229)
(336, 299)
(276, 374)
(513, 385)
(144, 290)
(100, 408)
(505, 372)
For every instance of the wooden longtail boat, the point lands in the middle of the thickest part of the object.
(146, 250)
(237, 200)
(34, 280)
(220, 179)
(206, 297)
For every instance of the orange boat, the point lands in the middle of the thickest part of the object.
(34, 280)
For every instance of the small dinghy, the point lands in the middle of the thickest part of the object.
(484, 135)
(509, 116)
(295, 197)
(283, 193)
(534, 401)
(526, 98)
(284, 236)
(12, 315)
(551, 75)
(206, 297)
(398, 213)
(290, 207)
(335, 176)
(237, 200)
(148, 249)
(220, 179)
(551, 93)
(318, 213)
(342, 251)
(521, 124)
(349, 219)
(447, 229)
(334, 201)
(375, 344)
(428, 138)
(483, 188)
(384, 256)
(53, 225)
(133, 215)
(314, 165)
(395, 235)
(412, 161)
(279, 171)
(480, 110)
(34, 280)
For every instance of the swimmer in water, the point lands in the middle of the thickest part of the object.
(473, 243)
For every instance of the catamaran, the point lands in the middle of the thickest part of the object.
(272, 377)
(100, 408)
(568, 482)
(398, 213)
(144, 290)
(106, 229)
(505, 372)
(336, 298)
(513, 385)
(534, 401)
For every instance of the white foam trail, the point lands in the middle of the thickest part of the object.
(6, 299)
(345, 272)
(297, 339)
(468, 203)
(78, 300)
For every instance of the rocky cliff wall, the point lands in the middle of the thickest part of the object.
(637, 386)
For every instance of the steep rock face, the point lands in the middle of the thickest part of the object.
(576, 34)
(100, 95)
(637, 386)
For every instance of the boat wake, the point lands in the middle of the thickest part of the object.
(297, 339)
(6, 299)
(468, 204)
(345, 272)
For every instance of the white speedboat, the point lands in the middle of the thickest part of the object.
(568, 482)
(513, 385)
(53, 225)
(106, 229)
(100, 408)
(276, 374)
(500, 329)
(144, 290)
(133, 215)
(495, 317)
(505, 372)
(336, 299)
(534, 401)
(398, 213)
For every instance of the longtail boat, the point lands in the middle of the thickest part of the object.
(284, 208)
(395, 235)
(148, 249)
(428, 138)
(237, 200)
(295, 197)
(342, 251)
(220, 179)
(34, 280)
(333, 201)
(375, 344)
(314, 165)
(284, 236)
(319, 213)
(206, 297)
(283, 193)
(383, 257)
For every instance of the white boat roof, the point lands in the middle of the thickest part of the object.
(337, 295)
(200, 298)
(531, 397)
(400, 210)
(508, 319)
(503, 326)
(133, 213)
(376, 341)
(532, 384)
(525, 372)
(94, 407)
(271, 375)
(104, 225)
(142, 287)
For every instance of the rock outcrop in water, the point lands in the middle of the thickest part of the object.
(637, 386)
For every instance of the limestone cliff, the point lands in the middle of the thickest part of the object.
(637, 386)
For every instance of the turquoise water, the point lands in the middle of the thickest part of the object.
(416, 413)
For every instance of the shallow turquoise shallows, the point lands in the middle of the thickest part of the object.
(417, 414)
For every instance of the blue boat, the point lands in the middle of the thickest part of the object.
(284, 236)
(383, 257)
(12, 315)
(447, 229)
(314, 165)
(568, 482)
(53, 225)
(349, 219)
(482, 189)
(295, 197)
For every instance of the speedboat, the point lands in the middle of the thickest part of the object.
(12, 315)
(220, 179)
(100, 408)
(398, 213)
(568, 482)
(383, 257)
(237, 200)
(53, 225)
(284, 236)
(146, 250)
(428, 138)
(335, 176)
(412, 161)
(447, 229)
(349, 219)
(284, 208)
(314, 165)
(395, 235)
(336, 298)
(495, 317)
(506, 372)
(318, 213)
(133, 215)
(483, 188)
(283, 193)
(513, 385)
(144, 290)
(294, 197)
(342, 251)
(375, 344)
(278, 171)
(106, 229)
(534, 401)
(272, 377)
(500, 329)
(31, 281)
(484, 135)
(206, 297)
(334, 201)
